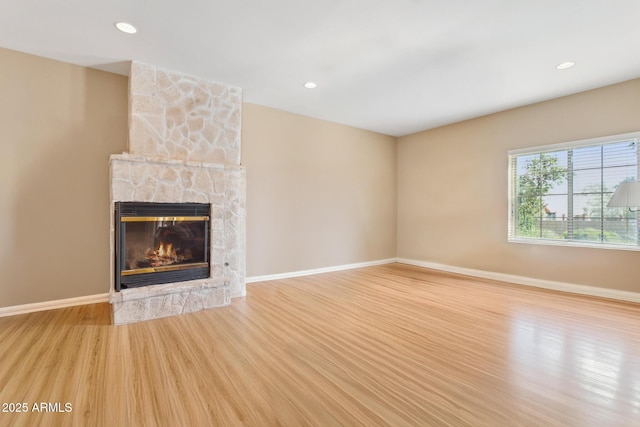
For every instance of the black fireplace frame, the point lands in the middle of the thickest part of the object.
(151, 209)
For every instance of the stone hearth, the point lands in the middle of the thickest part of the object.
(184, 146)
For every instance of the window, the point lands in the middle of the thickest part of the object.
(558, 194)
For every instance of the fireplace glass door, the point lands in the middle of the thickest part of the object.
(161, 243)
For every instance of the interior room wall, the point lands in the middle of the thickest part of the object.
(319, 194)
(452, 189)
(59, 124)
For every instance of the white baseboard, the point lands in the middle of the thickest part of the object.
(519, 280)
(254, 279)
(529, 281)
(52, 305)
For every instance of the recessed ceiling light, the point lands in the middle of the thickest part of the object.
(565, 65)
(310, 85)
(125, 27)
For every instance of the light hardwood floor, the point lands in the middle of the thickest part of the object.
(389, 345)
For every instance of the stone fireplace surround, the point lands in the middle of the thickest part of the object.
(184, 146)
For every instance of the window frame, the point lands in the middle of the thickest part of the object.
(512, 178)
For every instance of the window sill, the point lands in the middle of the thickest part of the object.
(574, 244)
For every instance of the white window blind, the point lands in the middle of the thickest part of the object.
(559, 193)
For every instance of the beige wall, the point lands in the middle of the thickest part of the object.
(452, 189)
(59, 123)
(319, 194)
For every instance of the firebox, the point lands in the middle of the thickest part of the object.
(160, 243)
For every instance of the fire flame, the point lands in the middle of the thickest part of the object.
(165, 254)
(166, 251)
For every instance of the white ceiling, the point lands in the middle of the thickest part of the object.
(394, 67)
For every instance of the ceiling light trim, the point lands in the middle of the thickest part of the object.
(565, 65)
(125, 27)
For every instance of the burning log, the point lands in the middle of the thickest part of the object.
(165, 255)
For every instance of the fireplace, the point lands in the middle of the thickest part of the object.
(159, 243)
(178, 198)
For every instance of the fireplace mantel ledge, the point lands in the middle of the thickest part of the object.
(127, 157)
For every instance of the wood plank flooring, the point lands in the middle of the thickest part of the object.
(391, 345)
